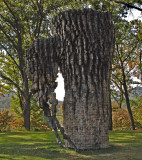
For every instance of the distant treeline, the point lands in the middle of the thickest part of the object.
(5, 101)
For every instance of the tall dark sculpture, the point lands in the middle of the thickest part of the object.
(82, 47)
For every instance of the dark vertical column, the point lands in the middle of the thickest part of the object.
(87, 44)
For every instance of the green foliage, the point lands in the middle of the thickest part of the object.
(15, 107)
(126, 58)
(37, 116)
(137, 101)
(139, 26)
(138, 116)
(21, 22)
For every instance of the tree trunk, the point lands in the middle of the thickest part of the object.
(110, 127)
(26, 116)
(127, 97)
(26, 111)
(121, 99)
(26, 93)
(85, 62)
(141, 65)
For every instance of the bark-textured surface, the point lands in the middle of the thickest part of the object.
(82, 47)
(42, 69)
(87, 48)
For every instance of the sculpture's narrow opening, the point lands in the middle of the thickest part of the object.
(60, 91)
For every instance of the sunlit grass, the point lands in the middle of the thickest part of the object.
(43, 146)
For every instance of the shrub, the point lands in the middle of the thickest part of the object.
(121, 119)
(6, 120)
(137, 113)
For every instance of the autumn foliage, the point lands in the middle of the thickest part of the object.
(120, 117)
(9, 122)
(121, 120)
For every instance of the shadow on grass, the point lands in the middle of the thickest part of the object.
(52, 151)
(37, 145)
(108, 151)
(42, 145)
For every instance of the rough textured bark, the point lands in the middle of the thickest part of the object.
(82, 47)
(88, 42)
(42, 69)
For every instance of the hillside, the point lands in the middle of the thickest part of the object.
(137, 91)
(5, 101)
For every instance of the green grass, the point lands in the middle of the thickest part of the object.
(43, 146)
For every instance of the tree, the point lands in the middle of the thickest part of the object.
(126, 62)
(20, 23)
(120, 10)
(14, 37)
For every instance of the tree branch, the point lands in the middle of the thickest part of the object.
(10, 56)
(11, 11)
(118, 85)
(129, 5)
(40, 17)
(8, 37)
(11, 81)
(10, 22)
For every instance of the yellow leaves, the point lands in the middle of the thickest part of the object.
(131, 64)
(140, 35)
(121, 119)
(140, 32)
(1, 93)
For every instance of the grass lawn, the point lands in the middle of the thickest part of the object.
(43, 146)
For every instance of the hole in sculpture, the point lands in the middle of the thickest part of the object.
(60, 91)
